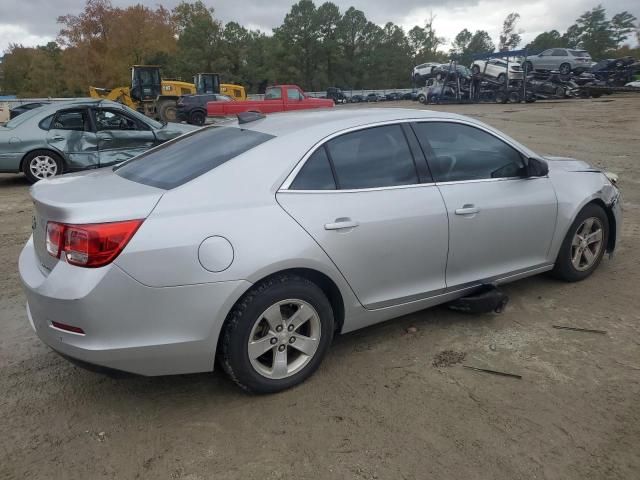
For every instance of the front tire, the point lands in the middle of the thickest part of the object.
(584, 246)
(277, 334)
(167, 111)
(41, 164)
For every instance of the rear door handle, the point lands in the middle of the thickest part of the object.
(105, 139)
(467, 209)
(340, 224)
(57, 138)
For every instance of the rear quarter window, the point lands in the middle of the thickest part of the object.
(185, 158)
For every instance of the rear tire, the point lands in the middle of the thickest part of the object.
(422, 99)
(501, 97)
(565, 69)
(583, 247)
(501, 78)
(260, 319)
(514, 97)
(41, 164)
(197, 118)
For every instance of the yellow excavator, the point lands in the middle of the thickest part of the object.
(157, 98)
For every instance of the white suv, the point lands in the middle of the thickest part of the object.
(497, 68)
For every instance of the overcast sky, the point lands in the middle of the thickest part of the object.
(33, 22)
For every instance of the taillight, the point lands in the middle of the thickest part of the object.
(91, 245)
(54, 238)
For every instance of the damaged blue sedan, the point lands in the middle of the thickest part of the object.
(78, 135)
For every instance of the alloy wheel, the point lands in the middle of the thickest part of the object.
(43, 166)
(587, 244)
(284, 339)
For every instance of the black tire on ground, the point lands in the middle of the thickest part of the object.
(197, 118)
(560, 92)
(422, 99)
(501, 97)
(234, 338)
(514, 97)
(564, 268)
(29, 158)
(167, 110)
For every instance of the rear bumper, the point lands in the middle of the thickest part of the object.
(128, 326)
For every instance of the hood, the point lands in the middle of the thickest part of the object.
(179, 127)
(569, 164)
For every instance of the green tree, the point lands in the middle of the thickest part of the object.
(510, 38)
(461, 42)
(199, 40)
(299, 38)
(546, 40)
(351, 33)
(622, 26)
(328, 19)
(592, 32)
(424, 42)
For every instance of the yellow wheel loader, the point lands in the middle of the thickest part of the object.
(157, 98)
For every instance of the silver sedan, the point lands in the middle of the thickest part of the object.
(254, 242)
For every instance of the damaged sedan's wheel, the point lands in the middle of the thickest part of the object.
(41, 164)
(584, 246)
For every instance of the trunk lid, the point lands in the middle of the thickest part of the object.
(98, 196)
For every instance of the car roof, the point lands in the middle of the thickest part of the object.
(329, 120)
(53, 106)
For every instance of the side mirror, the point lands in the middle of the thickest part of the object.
(537, 167)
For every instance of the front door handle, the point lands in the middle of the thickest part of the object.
(467, 209)
(340, 224)
(105, 139)
(57, 138)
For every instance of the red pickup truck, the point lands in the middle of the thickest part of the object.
(278, 98)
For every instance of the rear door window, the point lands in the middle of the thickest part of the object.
(316, 173)
(375, 157)
(187, 157)
(559, 52)
(71, 120)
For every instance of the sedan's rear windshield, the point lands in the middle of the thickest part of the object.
(187, 157)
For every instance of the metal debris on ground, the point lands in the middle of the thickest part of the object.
(411, 329)
(447, 358)
(577, 329)
(486, 299)
(494, 372)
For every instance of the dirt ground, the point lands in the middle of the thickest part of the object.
(378, 408)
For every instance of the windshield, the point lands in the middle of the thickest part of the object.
(149, 121)
(189, 156)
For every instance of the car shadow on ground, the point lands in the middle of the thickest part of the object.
(17, 180)
(108, 385)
